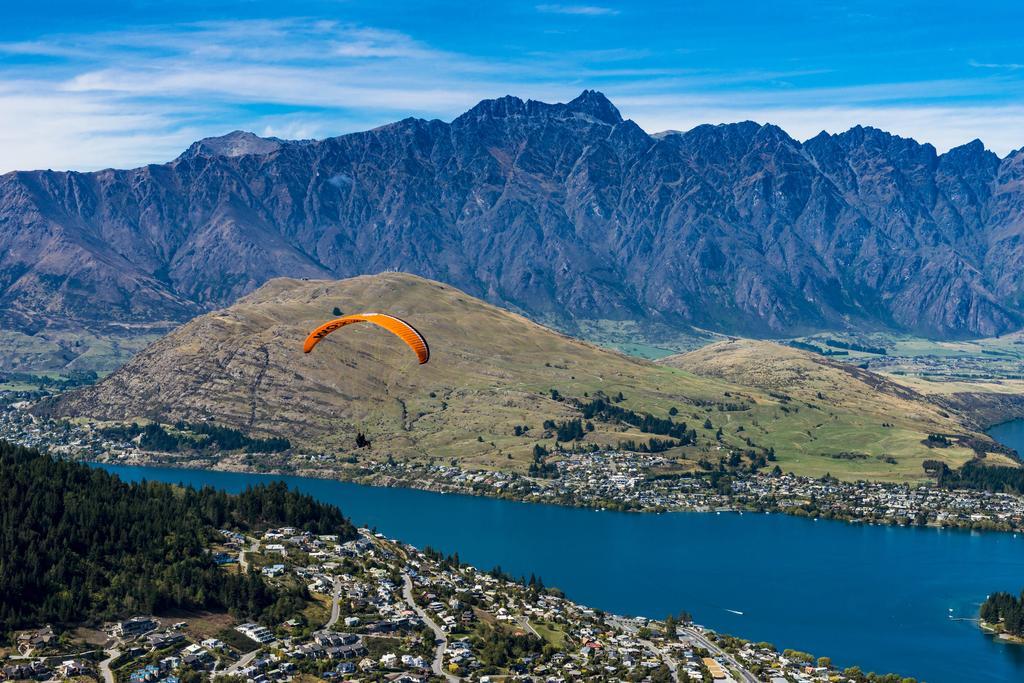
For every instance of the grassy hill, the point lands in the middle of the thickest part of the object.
(843, 419)
(494, 380)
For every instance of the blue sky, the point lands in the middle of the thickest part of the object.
(90, 85)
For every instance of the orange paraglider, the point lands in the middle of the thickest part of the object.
(401, 329)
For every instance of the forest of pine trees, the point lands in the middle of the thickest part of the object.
(973, 475)
(195, 437)
(78, 545)
(1005, 610)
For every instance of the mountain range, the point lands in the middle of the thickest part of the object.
(563, 212)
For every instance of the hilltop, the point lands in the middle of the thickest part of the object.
(565, 212)
(498, 385)
(803, 375)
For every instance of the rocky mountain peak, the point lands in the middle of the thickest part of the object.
(497, 108)
(971, 161)
(589, 103)
(596, 105)
(771, 135)
(874, 140)
(235, 144)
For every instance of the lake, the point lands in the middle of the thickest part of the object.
(886, 599)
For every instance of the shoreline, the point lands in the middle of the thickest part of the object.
(384, 480)
(720, 628)
(998, 634)
(322, 474)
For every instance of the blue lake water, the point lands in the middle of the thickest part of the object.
(1010, 433)
(878, 597)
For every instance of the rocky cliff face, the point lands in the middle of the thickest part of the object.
(562, 211)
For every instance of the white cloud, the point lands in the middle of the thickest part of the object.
(1010, 66)
(127, 98)
(580, 10)
(49, 130)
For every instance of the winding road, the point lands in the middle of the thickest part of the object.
(108, 675)
(441, 638)
(335, 604)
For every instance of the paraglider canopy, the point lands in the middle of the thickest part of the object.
(401, 329)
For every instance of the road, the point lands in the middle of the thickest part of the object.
(665, 657)
(335, 604)
(441, 638)
(699, 638)
(525, 623)
(108, 675)
(244, 563)
(243, 662)
(631, 628)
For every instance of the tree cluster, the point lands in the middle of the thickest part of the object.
(853, 346)
(1006, 610)
(601, 409)
(540, 467)
(974, 475)
(195, 437)
(77, 544)
(499, 648)
(651, 446)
